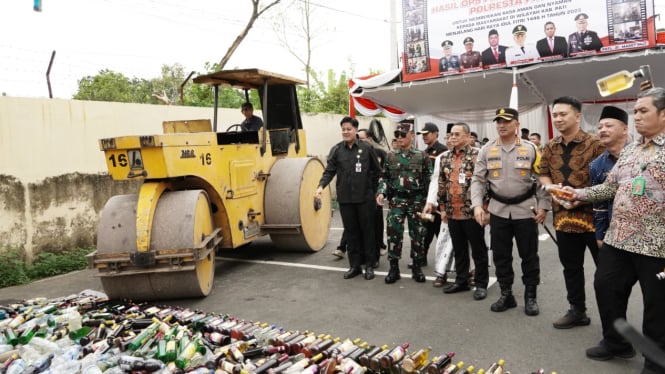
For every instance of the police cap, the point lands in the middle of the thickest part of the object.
(508, 114)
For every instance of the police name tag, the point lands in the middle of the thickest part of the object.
(638, 186)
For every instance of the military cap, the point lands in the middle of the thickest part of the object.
(508, 114)
(429, 127)
(493, 32)
(447, 44)
(468, 39)
(615, 113)
(519, 29)
(581, 16)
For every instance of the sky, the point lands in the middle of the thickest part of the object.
(137, 37)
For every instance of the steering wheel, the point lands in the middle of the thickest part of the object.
(234, 126)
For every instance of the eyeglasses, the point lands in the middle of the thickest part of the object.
(401, 134)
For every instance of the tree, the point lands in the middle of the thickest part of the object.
(296, 36)
(331, 97)
(256, 13)
(111, 86)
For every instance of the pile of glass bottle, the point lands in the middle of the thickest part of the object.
(87, 333)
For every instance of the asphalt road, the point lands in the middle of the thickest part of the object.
(301, 291)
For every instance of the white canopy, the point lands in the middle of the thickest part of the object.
(474, 97)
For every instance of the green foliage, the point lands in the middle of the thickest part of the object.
(12, 269)
(202, 95)
(331, 96)
(328, 95)
(111, 86)
(16, 271)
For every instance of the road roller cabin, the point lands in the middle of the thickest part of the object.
(205, 190)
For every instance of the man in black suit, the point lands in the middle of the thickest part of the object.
(583, 40)
(495, 53)
(552, 45)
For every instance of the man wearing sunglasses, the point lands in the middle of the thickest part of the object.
(404, 183)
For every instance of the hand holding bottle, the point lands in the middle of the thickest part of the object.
(562, 195)
(428, 213)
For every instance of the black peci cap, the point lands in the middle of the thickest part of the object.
(615, 113)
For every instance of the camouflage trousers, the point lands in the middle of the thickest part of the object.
(401, 210)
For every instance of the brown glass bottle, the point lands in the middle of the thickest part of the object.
(440, 363)
(394, 356)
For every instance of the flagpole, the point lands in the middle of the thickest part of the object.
(513, 92)
(514, 96)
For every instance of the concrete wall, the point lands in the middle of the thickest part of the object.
(53, 180)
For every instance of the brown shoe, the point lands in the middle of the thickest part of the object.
(439, 281)
(571, 319)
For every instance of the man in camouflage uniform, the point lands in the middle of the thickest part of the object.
(404, 181)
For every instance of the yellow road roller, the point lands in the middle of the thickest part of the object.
(205, 190)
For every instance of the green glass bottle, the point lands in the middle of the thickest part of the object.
(10, 336)
(76, 335)
(140, 339)
(186, 354)
(27, 334)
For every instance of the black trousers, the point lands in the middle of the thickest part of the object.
(378, 228)
(433, 229)
(378, 234)
(571, 248)
(358, 222)
(463, 233)
(617, 272)
(525, 232)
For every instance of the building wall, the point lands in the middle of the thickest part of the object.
(53, 177)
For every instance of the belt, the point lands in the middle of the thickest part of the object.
(516, 199)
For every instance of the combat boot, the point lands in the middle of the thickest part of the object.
(417, 273)
(506, 301)
(393, 274)
(530, 304)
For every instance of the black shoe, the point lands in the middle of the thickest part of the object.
(571, 319)
(531, 307)
(369, 272)
(505, 302)
(393, 274)
(456, 287)
(353, 272)
(480, 293)
(600, 353)
(417, 274)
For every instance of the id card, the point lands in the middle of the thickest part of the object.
(462, 178)
(359, 168)
(638, 186)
